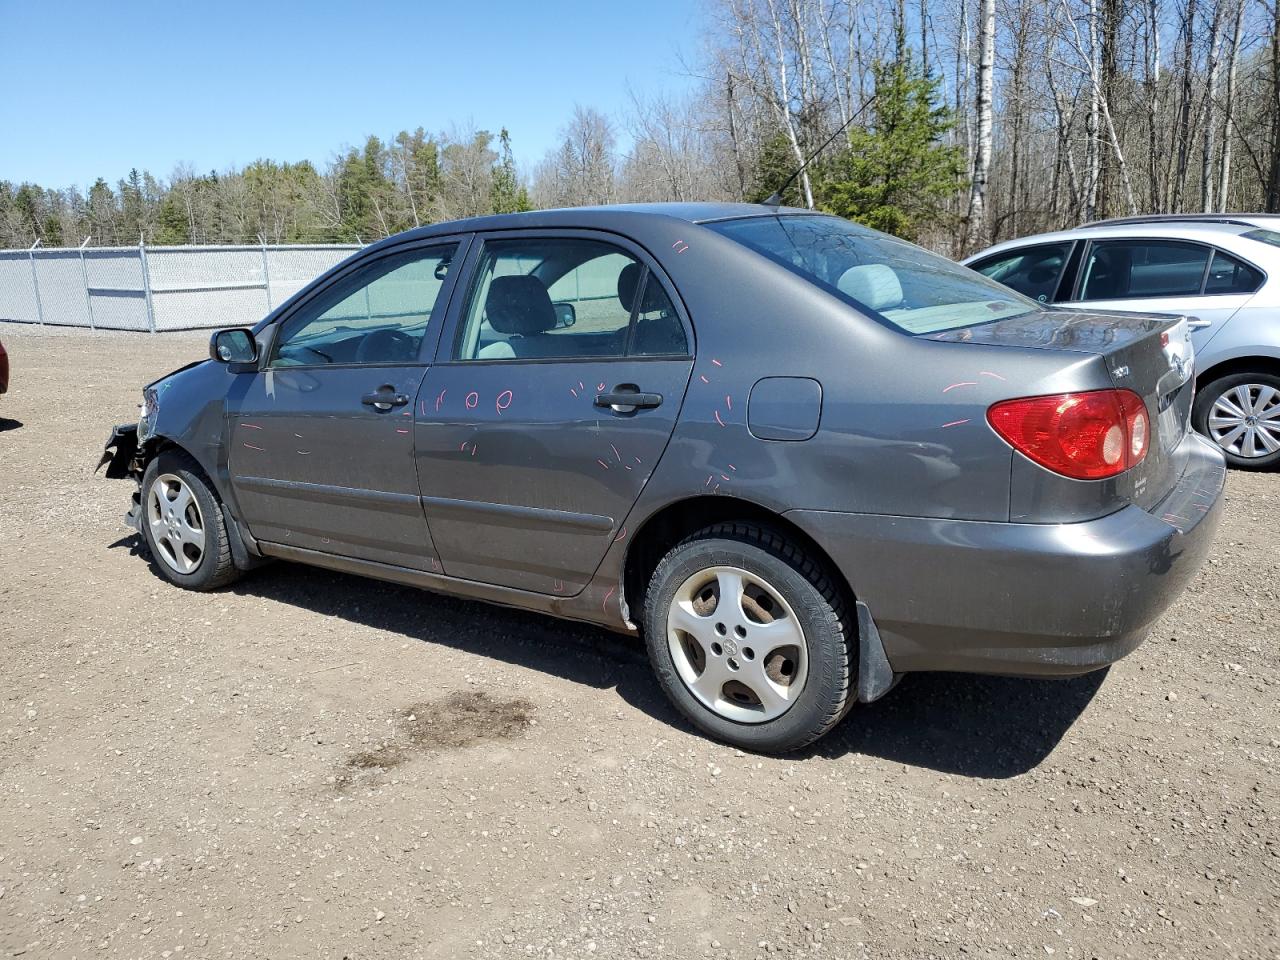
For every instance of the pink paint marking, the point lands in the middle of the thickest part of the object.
(733, 468)
(620, 537)
(298, 435)
(304, 453)
(988, 373)
(615, 452)
(464, 444)
(473, 400)
(557, 586)
(422, 405)
(728, 401)
(574, 392)
(604, 604)
(474, 447)
(716, 489)
(435, 565)
(954, 423)
(602, 463)
(252, 447)
(637, 460)
(580, 386)
(401, 430)
(407, 413)
(724, 477)
(600, 388)
(250, 426)
(440, 399)
(703, 378)
(676, 244)
(718, 420)
(499, 405)
(627, 466)
(962, 383)
(710, 477)
(716, 362)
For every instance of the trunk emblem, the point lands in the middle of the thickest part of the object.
(1121, 371)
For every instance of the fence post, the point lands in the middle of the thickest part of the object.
(146, 283)
(84, 277)
(266, 272)
(35, 282)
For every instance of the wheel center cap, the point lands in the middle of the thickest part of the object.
(730, 647)
(1251, 420)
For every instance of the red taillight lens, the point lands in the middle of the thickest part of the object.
(1086, 436)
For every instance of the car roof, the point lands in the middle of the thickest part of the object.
(1165, 228)
(600, 217)
(1250, 219)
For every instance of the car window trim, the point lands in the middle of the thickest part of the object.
(447, 342)
(1091, 242)
(426, 349)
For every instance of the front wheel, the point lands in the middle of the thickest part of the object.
(1241, 414)
(181, 520)
(749, 638)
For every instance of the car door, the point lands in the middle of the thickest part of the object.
(1166, 276)
(552, 399)
(321, 441)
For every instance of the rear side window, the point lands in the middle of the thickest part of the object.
(1229, 275)
(1138, 269)
(566, 298)
(1033, 271)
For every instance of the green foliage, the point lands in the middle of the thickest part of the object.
(896, 175)
(508, 194)
(777, 162)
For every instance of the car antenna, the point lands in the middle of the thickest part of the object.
(775, 199)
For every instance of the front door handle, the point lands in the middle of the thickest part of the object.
(628, 398)
(384, 398)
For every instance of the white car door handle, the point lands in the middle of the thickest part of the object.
(1194, 323)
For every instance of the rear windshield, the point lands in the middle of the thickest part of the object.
(1264, 236)
(897, 282)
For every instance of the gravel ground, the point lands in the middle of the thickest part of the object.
(315, 765)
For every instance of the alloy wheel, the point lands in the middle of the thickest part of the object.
(1245, 420)
(177, 526)
(737, 644)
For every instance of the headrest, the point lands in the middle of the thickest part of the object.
(628, 281)
(871, 284)
(519, 305)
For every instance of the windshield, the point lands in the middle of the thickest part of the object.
(897, 282)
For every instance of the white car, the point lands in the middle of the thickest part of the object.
(1222, 271)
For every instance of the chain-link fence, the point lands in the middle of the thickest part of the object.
(156, 288)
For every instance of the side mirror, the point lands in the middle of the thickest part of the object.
(566, 316)
(236, 345)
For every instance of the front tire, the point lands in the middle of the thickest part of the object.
(1241, 414)
(750, 638)
(181, 521)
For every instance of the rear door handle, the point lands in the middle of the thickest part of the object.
(384, 398)
(1195, 323)
(627, 398)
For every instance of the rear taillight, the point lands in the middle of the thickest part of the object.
(1086, 436)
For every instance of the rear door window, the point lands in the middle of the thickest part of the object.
(1142, 269)
(1033, 271)
(1229, 275)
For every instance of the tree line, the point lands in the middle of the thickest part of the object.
(957, 123)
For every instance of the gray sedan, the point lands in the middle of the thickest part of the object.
(800, 457)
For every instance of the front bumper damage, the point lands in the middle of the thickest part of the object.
(120, 455)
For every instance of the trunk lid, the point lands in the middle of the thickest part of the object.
(1149, 354)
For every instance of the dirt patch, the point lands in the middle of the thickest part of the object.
(459, 720)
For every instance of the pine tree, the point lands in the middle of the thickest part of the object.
(897, 175)
(508, 195)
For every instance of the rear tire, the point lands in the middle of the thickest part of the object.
(1240, 414)
(181, 522)
(771, 672)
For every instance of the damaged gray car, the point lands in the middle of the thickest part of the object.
(800, 457)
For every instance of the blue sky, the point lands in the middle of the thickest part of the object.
(96, 88)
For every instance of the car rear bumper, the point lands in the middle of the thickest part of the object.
(1025, 599)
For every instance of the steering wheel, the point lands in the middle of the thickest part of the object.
(383, 346)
